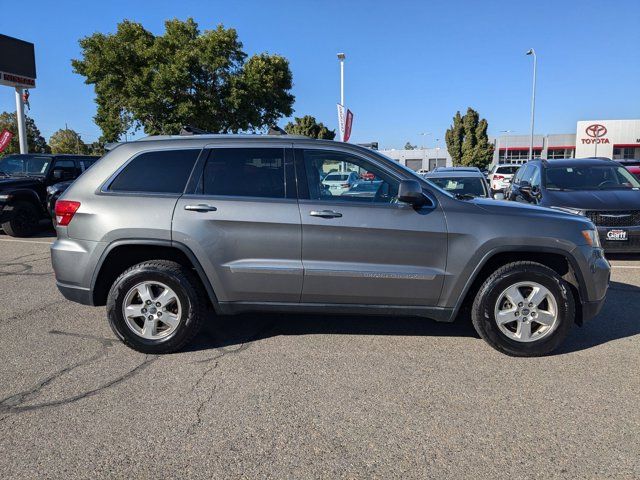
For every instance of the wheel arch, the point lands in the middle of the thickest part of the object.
(558, 260)
(122, 254)
(25, 195)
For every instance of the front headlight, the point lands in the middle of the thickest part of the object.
(574, 211)
(51, 190)
(5, 197)
(592, 238)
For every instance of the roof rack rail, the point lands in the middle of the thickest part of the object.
(191, 130)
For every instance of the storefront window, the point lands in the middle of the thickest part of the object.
(626, 153)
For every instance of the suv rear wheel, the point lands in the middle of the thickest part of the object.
(23, 220)
(156, 306)
(524, 309)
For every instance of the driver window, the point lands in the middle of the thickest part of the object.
(337, 176)
(535, 177)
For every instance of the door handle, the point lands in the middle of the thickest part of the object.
(200, 208)
(325, 214)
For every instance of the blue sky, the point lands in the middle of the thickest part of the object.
(410, 64)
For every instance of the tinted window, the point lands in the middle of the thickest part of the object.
(84, 164)
(165, 171)
(245, 172)
(507, 170)
(374, 185)
(24, 165)
(596, 177)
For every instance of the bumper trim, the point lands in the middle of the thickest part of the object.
(76, 294)
(591, 309)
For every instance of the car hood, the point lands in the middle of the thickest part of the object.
(11, 183)
(627, 199)
(517, 208)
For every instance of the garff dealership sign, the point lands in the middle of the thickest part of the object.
(595, 134)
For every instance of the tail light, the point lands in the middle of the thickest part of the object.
(65, 210)
(498, 177)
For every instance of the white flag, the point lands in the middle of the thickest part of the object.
(341, 121)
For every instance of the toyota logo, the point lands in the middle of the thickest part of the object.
(596, 130)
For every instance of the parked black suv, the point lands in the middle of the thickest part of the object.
(600, 189)
(23, 183)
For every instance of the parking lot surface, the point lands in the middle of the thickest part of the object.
(308, 396)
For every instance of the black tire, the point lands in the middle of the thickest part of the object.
(23, 220)
(483, 310)
(187, 288)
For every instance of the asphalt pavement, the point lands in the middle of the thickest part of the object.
(301, 396)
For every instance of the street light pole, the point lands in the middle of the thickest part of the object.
(341, 57)
(533, 99)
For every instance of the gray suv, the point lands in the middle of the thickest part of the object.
(167, 231)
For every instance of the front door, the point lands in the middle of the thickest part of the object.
(242, 221)
(359, 244)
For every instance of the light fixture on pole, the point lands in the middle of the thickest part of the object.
(533, 99)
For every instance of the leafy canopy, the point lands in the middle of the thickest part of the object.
(467, 140)
(35, 141)
(67, 140)
(184, 77)
(309, 127)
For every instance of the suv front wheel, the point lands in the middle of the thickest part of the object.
(524, 309)
(156, 306)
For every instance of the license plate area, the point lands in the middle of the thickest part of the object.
(617, 235)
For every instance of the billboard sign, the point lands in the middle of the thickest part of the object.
(17, 63)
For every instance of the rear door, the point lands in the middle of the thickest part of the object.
(241, 219)
(369, 250)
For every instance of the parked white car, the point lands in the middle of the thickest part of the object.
(500, 177)
(340, 182)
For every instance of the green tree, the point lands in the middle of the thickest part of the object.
(66, 140)
(467, 140)
(35, 141)
(184, 77)
(408, 146)
(309, 127)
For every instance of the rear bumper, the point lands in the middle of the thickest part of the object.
(632, 245)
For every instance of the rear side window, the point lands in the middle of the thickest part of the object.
(245, 172)
(165, 171)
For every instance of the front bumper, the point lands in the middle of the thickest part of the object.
(595, 271)
(632, 245)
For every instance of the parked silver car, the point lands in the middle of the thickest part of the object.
(164, 228)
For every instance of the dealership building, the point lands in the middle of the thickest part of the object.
(616, 139)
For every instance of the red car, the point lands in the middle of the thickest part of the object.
(635, 170)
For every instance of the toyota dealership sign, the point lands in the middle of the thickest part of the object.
(600, 137)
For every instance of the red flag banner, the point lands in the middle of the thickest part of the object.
(5, 139)
(347, 126)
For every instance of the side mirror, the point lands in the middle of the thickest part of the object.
(410, 191)
(57, 174)
(525, 187)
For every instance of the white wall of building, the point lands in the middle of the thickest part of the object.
(421, 158)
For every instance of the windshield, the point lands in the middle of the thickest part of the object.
(24, 165)
(456, 185)
(594, 177)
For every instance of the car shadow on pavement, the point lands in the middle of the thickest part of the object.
(618, 319)
(235, 330)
